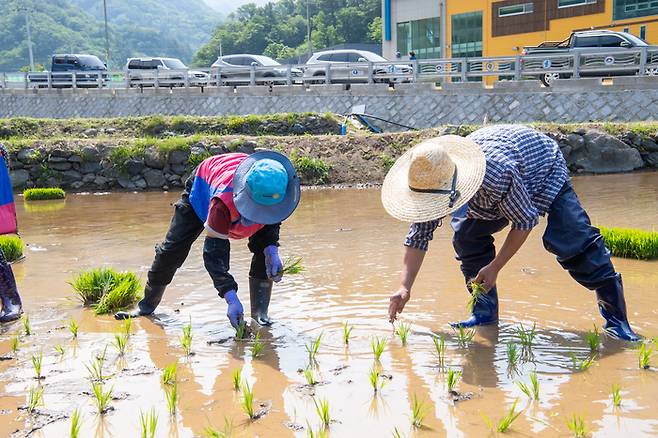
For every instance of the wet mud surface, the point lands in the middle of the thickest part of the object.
(351, 251)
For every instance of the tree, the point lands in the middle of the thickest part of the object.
(279, 51)
(375, 30)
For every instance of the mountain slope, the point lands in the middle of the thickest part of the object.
(227, 6)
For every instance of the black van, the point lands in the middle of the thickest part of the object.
(86, 71)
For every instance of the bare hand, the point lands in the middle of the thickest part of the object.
(487, 277)
(397, 303)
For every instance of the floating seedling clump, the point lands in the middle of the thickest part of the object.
(107, 290)
(631, 243)
(402, 331)
(506, 422)
(12, 247)
(42, 194)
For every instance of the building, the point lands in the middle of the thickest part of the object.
(504, 27)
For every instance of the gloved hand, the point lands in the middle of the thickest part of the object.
(273, 265)
(235, 312)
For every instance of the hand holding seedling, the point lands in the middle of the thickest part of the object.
(487, 277)
(235, 311)
(273, 265)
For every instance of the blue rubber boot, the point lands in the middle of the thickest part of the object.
(485, 311)
(613, 309)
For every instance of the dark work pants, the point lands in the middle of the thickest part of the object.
(184, 229)
(570, 236)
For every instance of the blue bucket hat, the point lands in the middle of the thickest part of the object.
(266, 188)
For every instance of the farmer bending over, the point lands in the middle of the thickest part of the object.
(496, 176)
(11, 301)
(232, 196)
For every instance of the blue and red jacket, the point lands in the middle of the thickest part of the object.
(7, 208)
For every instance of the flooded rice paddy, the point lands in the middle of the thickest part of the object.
(352, 254)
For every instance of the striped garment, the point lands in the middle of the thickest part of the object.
(525, 171)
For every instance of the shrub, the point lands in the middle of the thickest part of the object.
(313, 170)
(12, 247)
(107, 290)
(42, 194)
(631, 243)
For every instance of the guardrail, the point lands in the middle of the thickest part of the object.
(549, 66)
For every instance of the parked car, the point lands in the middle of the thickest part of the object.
(236, 69)
(348, 66)
(170, 72)
(86, 71)
(597, 45)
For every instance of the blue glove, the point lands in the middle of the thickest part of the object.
(273, 265)
(235, 312)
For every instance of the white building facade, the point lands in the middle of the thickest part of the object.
(413, 26)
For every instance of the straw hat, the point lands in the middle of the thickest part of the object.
(433, 179)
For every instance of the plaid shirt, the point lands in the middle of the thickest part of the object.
(525, 171)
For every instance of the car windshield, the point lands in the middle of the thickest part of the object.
(91, 62)
(266, 60)
(635, 40)
(174, 64)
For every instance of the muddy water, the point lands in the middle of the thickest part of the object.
(351, 252)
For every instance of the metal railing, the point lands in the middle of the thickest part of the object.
(577, 64)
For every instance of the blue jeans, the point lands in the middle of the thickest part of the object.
(570, 236)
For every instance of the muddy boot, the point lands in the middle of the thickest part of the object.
(613, 309)
(260, 292)
(12, 308)
(485, 310)
(152, 297)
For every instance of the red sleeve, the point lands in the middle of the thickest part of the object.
(219, 217)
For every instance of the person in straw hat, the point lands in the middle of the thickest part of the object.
(231, 196)
(498, 175)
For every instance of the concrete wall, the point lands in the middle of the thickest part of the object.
(421, 106)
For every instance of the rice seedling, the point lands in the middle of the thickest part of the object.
(378, 346)
(186, 339)
(34, 398)
(644, 356)
(347, 332)
(59, 349)
(397, 433)
(631, 243)
(37, 360)
(476, 290)
(95, 368)
(310, 377)
(418, 412)
(149, 423)
(76, 423)
(241, 330)
(322, 409)
(172, 397)
(169, 374)
(584, 364)
(576, 425)
(237, 379)
(248, 401)
(403, 332)
(292, 266)
(440, 348)
(512, 355)
(12, 247)
(526, 336)
(464, 336)
(375, 381)
(27, 327)
(452, 378)
(101, 399)
(107, 290)
(258, 347)
(320, 433)
(531, 391)
(593, 339)
(15, 344)
(313, 347)
(120, 343)
(125, 327)
(226, 432)
(616, 395)
(73, 328)
(506, 422)
(41, 194)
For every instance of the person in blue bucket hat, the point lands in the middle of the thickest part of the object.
(231, 196)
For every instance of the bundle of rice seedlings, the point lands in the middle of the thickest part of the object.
(107, 290)
(292, 266)
(43, 194)
(631, 243)
(12, 247)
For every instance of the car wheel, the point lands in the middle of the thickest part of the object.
(651, 71)
(548, 78)
(319, 80)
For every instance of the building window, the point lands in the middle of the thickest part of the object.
(421, 36)
(623, 9)
(467, 35)
(525, 8)
(643, 32)
(571, 3)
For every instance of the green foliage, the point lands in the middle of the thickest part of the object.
(149, 423)
(403, 332)
(347, 332)
(440, 348)
(169, 374)
(95, 368)
(14, 344)
(531, 391)
(12, 247)
(506, 422)
(452, 378)
(226, 432)
(387, 161)
(378, 346)
(107, 290)
(43, 194)
(322, 409)
(631, 243)
(76, 424)
(375, 29)
(419, 410)
(576, 425)
(34, 398)
(279, 51)
(312, 170)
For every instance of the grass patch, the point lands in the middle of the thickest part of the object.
(631, 243)
(387, 161)
(43, 194)
(313, 170)
(12, 247)
(107, 290)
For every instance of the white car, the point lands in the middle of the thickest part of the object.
(236, 69)
(347, 66)
(170, 72)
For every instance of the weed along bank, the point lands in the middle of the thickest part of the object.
(291, 334)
